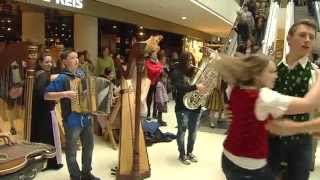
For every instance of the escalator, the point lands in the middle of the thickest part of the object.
(317, 19)
(231, 45)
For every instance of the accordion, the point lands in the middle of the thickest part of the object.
(94, 95)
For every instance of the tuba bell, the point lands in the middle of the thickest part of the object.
(205, 75)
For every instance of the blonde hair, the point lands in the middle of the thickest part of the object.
(242, 70)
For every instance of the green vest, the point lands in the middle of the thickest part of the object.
(294, 82)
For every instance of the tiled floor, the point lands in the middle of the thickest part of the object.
(163, 158)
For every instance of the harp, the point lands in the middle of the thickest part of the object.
(23, 158)
(13, 100)
(133, 156)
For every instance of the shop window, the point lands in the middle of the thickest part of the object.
(10, 21)
(59, 30)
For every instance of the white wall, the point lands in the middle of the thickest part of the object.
(33, 26)
(225, 8)
(86, 35)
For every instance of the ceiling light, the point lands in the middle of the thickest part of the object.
(183, 18)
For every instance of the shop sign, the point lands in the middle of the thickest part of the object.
(69, 3)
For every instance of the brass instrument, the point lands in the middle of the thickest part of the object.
(205, 75)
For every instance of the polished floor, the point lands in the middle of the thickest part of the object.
(163, 158)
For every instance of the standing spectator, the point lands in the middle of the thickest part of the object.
(248, 16)
(105, 62)
(252, 7)
(173, 60)
(311, 8)
(154, 69)
(260, 29)
(85, 63)
(161, 98)
(242, 28)
(172, 65)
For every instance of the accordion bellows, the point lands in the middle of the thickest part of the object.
(94, 95)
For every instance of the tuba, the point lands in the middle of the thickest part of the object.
(205, 75)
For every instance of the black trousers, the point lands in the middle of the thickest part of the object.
(150, 97)
(296, 151)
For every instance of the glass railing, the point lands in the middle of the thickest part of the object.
(289, 22)
(271, 28)
(317, 13)
(231, 44)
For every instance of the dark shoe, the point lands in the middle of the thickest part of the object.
(162, 123)
(54, 167)
(74, 178)
(89, 177)
(184, 160)
(191, 157)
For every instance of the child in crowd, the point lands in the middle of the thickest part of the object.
(161, 98)
(252, 104)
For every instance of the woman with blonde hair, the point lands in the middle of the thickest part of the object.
(253, 104)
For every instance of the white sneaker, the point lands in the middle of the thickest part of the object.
(212, 125)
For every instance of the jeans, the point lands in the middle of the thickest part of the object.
(187, 119)
(296, 151)
(86, 137)
(234, 172)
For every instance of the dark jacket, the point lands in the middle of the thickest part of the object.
(181, 84)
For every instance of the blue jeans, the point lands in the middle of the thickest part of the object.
(234, 172)
(86, 137)
(187, 119)
(296, 151)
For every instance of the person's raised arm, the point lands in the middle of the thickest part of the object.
(309, 102)
(55, 96)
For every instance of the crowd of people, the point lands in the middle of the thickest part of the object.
(259, 92)
(251, 24)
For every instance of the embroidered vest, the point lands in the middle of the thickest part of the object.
(294, 82)
(247, 136)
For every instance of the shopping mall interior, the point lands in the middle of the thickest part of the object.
(70, 72)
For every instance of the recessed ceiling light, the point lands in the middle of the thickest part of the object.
(183, 18)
